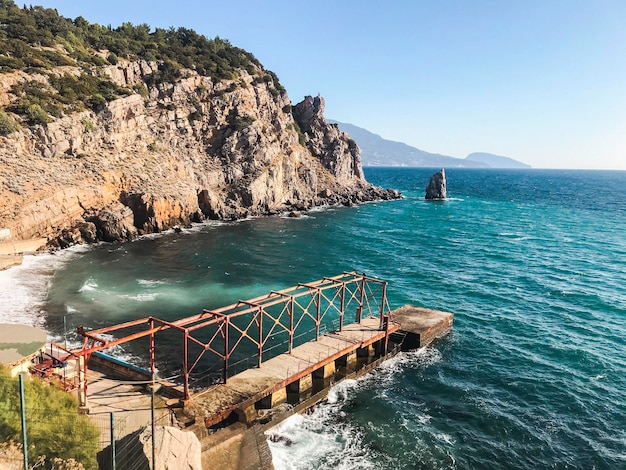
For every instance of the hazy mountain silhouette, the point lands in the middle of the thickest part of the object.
(376, 151)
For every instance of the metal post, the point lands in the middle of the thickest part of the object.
(112, 441)
(151, 324)
(152, 419)
(23, 412)
(359, 309)
(343, 307)
(291, 324)
(65, 331)
(317, 315)
(382, 304)
(185, 371)
(260, 358)
(226, 325)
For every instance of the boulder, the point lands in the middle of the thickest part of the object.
(436, 188)
(115, 222)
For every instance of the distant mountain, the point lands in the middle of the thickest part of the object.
(376, 151)
(495, 161)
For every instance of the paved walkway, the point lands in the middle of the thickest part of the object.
(244, 389)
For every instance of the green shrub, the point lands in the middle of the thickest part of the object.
(96, 102)
(7, 124)
(89, 125)
(53, 426)
(36, 115)
(142, 90)
(241, 122)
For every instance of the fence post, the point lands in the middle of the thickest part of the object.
(23, 413)
(152, 416)
(112, 441)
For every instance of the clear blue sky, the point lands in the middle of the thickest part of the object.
(541, 81)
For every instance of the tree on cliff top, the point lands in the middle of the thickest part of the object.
(37, 38)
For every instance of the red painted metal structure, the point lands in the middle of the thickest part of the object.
(255, 321)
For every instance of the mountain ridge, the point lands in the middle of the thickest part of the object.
(378, 151)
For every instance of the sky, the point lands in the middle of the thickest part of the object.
(540, 81)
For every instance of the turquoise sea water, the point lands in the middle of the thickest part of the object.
(532, 264)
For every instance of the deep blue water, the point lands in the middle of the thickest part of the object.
(531, 262)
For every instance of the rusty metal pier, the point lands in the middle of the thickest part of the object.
(254, 326)
(294, 342)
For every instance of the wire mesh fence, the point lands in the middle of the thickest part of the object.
(73, 441)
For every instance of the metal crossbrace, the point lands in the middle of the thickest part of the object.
(264, 317)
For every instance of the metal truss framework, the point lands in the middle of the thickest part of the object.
(253, 322)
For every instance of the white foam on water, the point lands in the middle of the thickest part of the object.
(140, 297)
(151, 283)
(89, 285)
(325, 438)
(23, 289)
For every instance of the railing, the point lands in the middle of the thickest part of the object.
(240, 331)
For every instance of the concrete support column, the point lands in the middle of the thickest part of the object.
(247, 415)
(366, 351)
(303, 384)
(351, 361)
(270, 401)
(324, 372)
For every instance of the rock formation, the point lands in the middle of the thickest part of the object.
(177, 153)
(436, 188)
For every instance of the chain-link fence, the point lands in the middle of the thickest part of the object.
(72, 441)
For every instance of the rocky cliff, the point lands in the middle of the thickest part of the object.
(169, 154)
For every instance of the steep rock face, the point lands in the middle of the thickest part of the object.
(182, 152)
(334, 148)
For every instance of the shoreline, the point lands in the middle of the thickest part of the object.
(25, 286)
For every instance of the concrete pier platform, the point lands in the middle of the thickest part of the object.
(421, 325)
(266, 386)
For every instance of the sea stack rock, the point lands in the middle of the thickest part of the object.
(436, 188)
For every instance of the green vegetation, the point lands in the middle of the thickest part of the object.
(89, 125)
(238, 123)
(38, 100)
(37, 39)
(301, 136)
(7, 124)
(53, 425)
(40, 38)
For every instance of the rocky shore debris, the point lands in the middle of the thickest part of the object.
(436, 189)
(278, 438)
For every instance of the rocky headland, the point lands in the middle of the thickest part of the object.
(167, 146)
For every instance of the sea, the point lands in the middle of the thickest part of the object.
(532, 263)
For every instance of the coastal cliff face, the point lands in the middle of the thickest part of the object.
(171, 154)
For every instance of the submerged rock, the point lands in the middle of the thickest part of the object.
(436, 188)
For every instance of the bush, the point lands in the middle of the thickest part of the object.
(97, 102)
(7, 124)
(142, 90)
(53, 426)
(36, 115)
(89, 125)
(241, 122)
